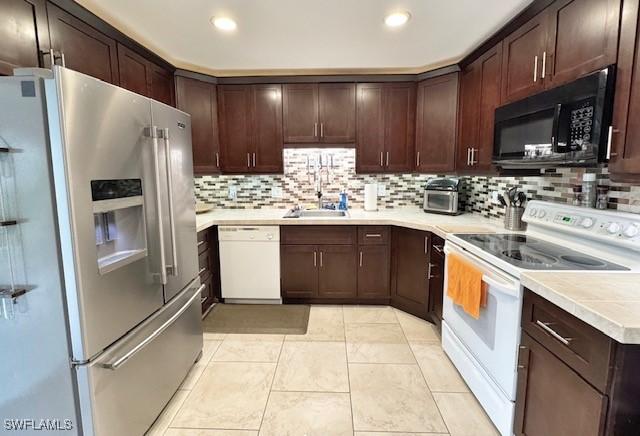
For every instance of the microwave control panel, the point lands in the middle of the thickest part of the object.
(581, 125)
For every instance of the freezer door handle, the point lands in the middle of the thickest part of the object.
(172, 221)
(121, 360)
(152, 132)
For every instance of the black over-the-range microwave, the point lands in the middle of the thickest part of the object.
(565, 126)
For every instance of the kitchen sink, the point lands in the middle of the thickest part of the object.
(316, 213)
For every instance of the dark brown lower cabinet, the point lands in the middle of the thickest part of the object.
(209, 267)
(436, 280)
(299, 271)
(573, 379)
(336, 275)
(409, 271)
(373, 271)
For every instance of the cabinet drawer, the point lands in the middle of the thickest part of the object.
(204, 264)
(373, 235)
(331, 235)
(204, 240)
(585, 349)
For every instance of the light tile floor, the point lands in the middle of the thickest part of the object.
(359, 370)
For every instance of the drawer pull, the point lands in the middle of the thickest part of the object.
(201, 243)
(373, 235)
(546, 328)
(202, 270)
(439, 248)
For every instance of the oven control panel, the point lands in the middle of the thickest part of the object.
(609, 226)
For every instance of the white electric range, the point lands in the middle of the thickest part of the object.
(558, 238)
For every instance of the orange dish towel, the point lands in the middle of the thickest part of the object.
(465, 286)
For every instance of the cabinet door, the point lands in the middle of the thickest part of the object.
(399, 125)
(490, 69)
(300, 103)
(552, 399)
(299, 271)
(134, 71)
(337, 272)
(436, 124)
(161, 84)
(22, 34)
(436, 280)
(469, 122)
(523, 51)
(85, 49)
(267, 129)
(337, 112)
(199, 99)
(410, 285)
(625, 139)
(373, 271)
(583, 37)
(235, 128)
(370, 128)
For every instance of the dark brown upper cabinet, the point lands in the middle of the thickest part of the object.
(199, 99)
(141, 76)
(385, 127)
(436, 124)
(583, 37)
(567, 40)
(84, 48)
(625, 131)
(319, 113)
(23, 33)
(250, 119)
(479, 97)
(523, 58)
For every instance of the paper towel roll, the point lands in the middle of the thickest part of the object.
(371, 196)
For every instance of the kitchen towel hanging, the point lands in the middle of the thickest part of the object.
(465, 286)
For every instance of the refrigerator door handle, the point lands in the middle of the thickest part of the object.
(119, 361)
(153, 134)
(172, 221)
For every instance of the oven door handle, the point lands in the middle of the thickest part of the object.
(490, 275)
(557, 114)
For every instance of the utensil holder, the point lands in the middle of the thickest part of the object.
(513, 218)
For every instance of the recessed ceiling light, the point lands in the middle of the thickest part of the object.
(397, 19)
(224, 23)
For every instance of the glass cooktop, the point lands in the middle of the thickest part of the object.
(526, 252)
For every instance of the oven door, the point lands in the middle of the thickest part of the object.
(493, 338)
(441, 201)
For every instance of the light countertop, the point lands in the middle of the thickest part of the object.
(608, 301)
(413, 218)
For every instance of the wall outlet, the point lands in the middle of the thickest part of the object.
(233, 192)
(276, 191)
(382, 190)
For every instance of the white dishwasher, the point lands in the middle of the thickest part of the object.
(250, 264)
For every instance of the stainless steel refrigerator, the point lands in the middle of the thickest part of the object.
(100, 302)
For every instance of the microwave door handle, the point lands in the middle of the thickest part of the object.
(172, 211)
(556, 127)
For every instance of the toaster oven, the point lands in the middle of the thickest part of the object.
(441, 195)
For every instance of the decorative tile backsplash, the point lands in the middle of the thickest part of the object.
(297, 186)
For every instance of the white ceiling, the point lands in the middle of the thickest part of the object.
(303, 36)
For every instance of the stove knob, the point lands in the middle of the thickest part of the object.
(614, 228)
(587, 223)
(542, 213)
(631, 231)
(533, 211)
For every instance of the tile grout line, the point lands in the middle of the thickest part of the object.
(428, 387)
(346, 356)
(266, 404)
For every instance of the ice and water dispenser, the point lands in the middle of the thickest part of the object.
(118, 213)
